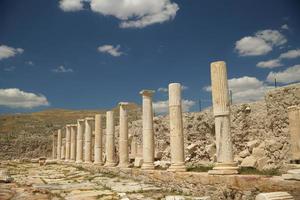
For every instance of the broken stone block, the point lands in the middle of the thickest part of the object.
(274, 196)
(258, 152)
(244, 154)
(261, 163)
(5, 176)
(293, 174)
(250, 161)
(252, 144)
(138, 162)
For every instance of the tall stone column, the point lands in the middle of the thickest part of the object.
(221, 109)
(176, 129)
(63, 148)
(73, 128)
(148, 133)
(79, 145)
(110, 140)
(68, 143)
(59, 144)
(294, 129)
(123, 136)
(133, 147)
(54, 148)
(98, 140)
(88, 140)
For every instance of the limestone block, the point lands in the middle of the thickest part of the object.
(244, 154)
(162, 163)
(258, 152)
(293, 174)
(138, 162)
(274, 196)
(250, 161)
(261, 163)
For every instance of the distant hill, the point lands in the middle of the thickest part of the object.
(30, 134)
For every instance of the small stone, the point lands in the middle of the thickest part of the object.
(138, 162)
(244, 154)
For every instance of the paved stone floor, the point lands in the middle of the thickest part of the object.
(55, 182)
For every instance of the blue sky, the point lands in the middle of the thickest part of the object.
(93, 54)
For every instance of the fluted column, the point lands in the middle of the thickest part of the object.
(110, 140)
(59, 144)
(148, 133)
(294, 130)
(88, 140)
(221, 109)
(98, 140)
(123, 136)
(73, 128)
(54, 148)
(68, 143)
(79, 145)
(176, 128)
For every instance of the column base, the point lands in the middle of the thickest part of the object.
(147, 166)
(98, 163)
(78, 161)
(177, 168)
(110, 164)
(87, 162)
(224, 169)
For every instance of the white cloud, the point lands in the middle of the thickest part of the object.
(136, 13)
(62, 69)
(71, 5)
(10, 69)
(285, 27)
(16, 98)
(162, 89)
(162, 107)
(289, 75)
(30, 63)
(270, 63)
(290, 54)
(113, 51)
(259, 44)
(245, 89)
(6, 51)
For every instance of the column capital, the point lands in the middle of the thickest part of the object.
(147, 93)
(124, 104)
(293, 108)
(89, 119)
(80, 120)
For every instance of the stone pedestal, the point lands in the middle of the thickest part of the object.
(221, 109)
(68, 143)
(294, 130)
(79, 145)
(59, 144)
(274, 196)
(88, 140)
(73, 128)
(176, 129)
(148, 133)
(54, 148)
(110, 140)
(98, 140)
(123, 136)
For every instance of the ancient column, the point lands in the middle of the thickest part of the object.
(88, 140)
(110, 140)
(133, 147)
(123, 136)
(63, 147)
(68, 143)
(294, 129)
(59, 144)
(73, 128)
(148, 133)
(54, 148)
(98, 140)
(176, 128)
(221, 110)
(79, 145)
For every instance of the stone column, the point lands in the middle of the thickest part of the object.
(79, 145)
(176, 128)
(133, 147)
(98, 140)
(54, 148)
(110, 140)
(294, 129)
(73, 128)
(221, 110)
(63, 147)
(148, 133)
(123, 136)
(59, 144)
(68, 143)
(88, 140)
